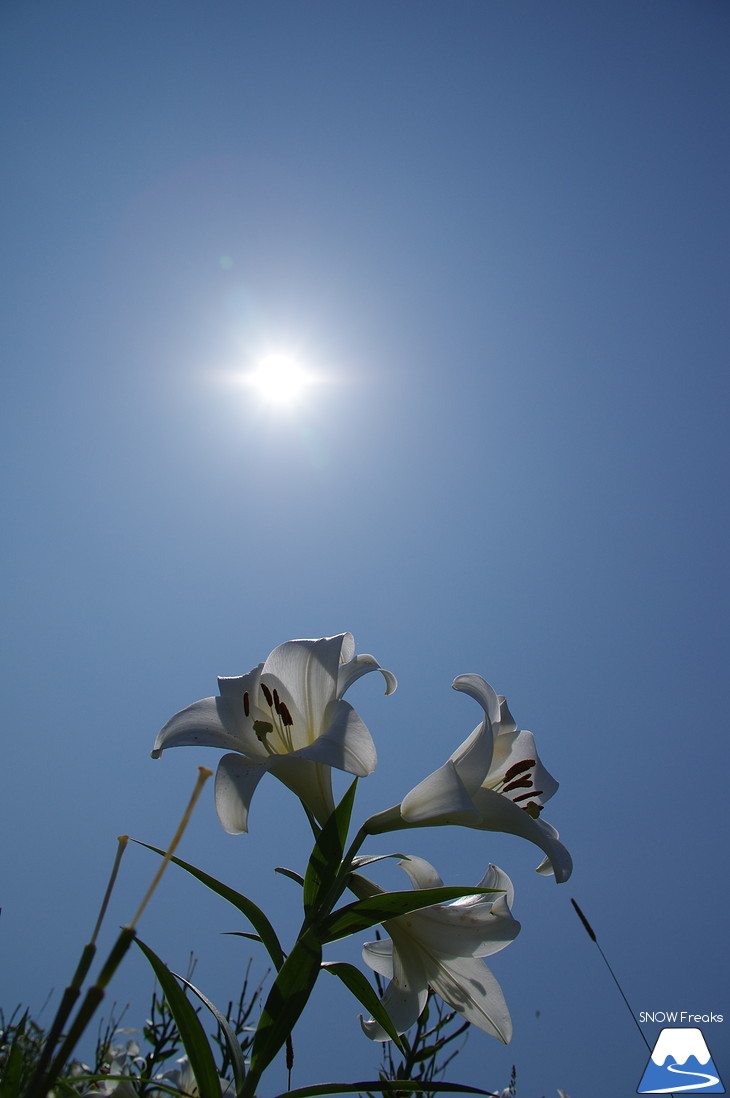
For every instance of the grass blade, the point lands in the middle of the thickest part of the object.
(362, 989)
(247, 907)
(189, 1026)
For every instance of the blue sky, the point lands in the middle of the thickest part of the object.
(499, 233)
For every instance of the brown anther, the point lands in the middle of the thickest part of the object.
(524, 796)
(285, 716)
(246, 703)
(267, 694)
(277, 703)
(521, 783)
(518, 768)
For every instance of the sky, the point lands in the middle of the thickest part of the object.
(497, 235)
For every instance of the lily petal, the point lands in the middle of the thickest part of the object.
(473, 759)
(346, 745)
(469, 987)
(235, 781)
(309, 668)
(546, 867)
(440, 794)
(361, 665)
(511, 748)
(497, 813)
(403, 1006)
(449, 931)
(480, 690)
(235, 686)
(311, 781)
(496, 878)
(378, 956)
(407, 993)
(211, 722)
(420, 872)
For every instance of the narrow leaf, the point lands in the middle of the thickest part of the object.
(242, 934)
(290, 874)
(388, 905)
(189, 1027)
(362, 989)
(237, 1061)
(247, 907)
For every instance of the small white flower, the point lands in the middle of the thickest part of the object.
(285, 716)
(114, 1088)
(183, 1079)
(442, 947)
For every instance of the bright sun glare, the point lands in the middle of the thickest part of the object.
(279, 379)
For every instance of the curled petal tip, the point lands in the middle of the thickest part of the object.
(480, 690)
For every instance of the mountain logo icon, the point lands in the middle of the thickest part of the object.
(680, 1063)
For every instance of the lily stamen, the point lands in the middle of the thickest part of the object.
(263, 729)
(282, 721)
(521, 783)
(518, 768)
(524, 796)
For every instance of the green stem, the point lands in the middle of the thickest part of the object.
(341, 881)
(43, 1080)
(93, 997)
(72, 992)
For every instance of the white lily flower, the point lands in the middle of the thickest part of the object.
(114, 1088)
(441, 947)
(285, 716)
(494, 781)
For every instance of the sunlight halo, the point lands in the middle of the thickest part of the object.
(279, 379)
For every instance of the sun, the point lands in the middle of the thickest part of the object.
(279, 379)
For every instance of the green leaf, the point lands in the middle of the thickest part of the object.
(189, 1027)
(385, 1086)
(388, 905)
(247, 907)
(284, 1004)
(237, 1061)
(242, 934)
(297, 877)
(324, 863)
(362, 989)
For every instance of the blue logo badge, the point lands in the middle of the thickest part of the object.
(680, 1062)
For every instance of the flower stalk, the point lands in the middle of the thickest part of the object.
(45, 1076)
